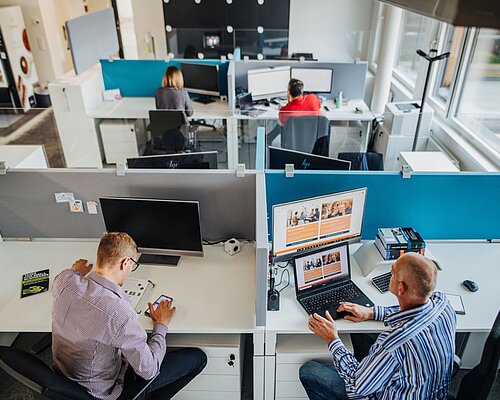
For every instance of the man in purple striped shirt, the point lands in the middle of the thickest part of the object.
(97, 340)
(412, 359)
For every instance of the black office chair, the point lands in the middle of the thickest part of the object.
(364, 161)
(304, 134)
(477, 383)
(45, 383)
(166, 136)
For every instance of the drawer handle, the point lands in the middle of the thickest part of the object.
(231, 360)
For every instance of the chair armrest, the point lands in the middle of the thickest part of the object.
(457, 363)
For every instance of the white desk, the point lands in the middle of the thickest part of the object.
(477, 261)
(213, 294)
(138, 107)
(345, 113)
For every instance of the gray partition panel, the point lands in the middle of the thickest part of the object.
(347, 77)
(28, 207)
(92, 37)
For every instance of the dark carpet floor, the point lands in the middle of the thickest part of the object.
(44, 133)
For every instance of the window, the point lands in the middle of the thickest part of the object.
(416, 32)
(447, 69)
(479, 104)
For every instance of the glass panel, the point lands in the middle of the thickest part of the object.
(479, 106)
(30, 139)
(447, 69)
(411, 37)
(270, 43)
(191, 43)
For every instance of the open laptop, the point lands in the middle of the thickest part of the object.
(323, 280)
(246, 106)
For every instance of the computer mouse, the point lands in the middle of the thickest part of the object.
(471, 285)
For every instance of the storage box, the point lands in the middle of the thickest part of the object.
(404, 122)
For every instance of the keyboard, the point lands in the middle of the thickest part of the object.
(322, 300)
(381, 282)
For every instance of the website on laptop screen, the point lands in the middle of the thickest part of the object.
(316, 221)
(321, 267)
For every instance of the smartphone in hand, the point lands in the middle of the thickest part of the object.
(158, 301)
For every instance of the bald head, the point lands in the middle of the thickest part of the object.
(417, 273)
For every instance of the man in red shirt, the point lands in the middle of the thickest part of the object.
(299, 104)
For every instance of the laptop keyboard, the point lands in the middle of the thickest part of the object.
(381, 282)
(321, 300)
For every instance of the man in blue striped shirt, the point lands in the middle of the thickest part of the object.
(412, 359)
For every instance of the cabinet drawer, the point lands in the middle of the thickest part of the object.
(118, 137)
(120, 147)
(293, 390)
(113, 158)
(221, 383)
(192, 395)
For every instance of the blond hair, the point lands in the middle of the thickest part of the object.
(114, 246)
(173, 78)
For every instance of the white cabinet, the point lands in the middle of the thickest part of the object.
(291, 352)
(122, 139)
(23, 156)
(390, 146)
(427, 161)
(72, 98)
(221, 378)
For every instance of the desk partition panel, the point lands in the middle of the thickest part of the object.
(439, 206)
(347, 77)
(141, 78)
(28, 207)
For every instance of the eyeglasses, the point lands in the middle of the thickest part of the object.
(136, 264)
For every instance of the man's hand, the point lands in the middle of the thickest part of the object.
(163, 313)
(357, 312)
(81, 267)
(325, 328)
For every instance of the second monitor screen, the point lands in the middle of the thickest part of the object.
(316, 221)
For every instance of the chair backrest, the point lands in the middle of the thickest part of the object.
(165, 130)
(301, 133)
(38, 376)
(364, 161)
(477, 383)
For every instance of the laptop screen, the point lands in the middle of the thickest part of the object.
(321, 267)
(246, 102)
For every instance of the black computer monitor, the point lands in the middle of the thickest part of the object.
(198, 160)
(164, 230)
(201, 79)
(279, 157)
(315, 221)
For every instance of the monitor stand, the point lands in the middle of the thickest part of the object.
(159, 259)
(204, 100)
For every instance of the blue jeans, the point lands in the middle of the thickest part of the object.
(177, 369)
(321, 381)
(320, 378)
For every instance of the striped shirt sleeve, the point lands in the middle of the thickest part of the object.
(380, 312)
(144, 355)
(365, 378)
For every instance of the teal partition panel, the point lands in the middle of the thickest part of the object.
(141, 78)
(439, 206)
(260, 149)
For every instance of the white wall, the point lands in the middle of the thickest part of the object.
(36, 29)
(333, 30)
(149, 22)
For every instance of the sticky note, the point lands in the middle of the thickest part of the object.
(76, 206)
(91, 207)
(64, 197)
